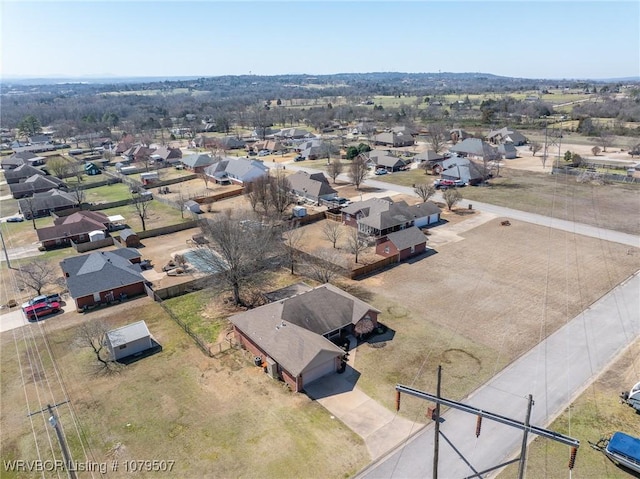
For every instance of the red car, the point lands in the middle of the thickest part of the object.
(41, 310)
(443, 184)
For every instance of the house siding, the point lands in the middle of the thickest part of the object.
(131, 348)
(418, 249)
(383, 245)
(130, 290)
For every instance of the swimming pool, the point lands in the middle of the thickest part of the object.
(201, 259)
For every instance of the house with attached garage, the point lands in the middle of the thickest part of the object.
(23, 158)
(36, 184)
(394, 139)
(236, 170)
(506, 135)
(21, 173)
(403, 243)
(198, 162)
(313, 187)
(103, 277)
(43, 204)
(380, 216)
(459, 168)
(76, 227)
(475, 148)
(291, 337)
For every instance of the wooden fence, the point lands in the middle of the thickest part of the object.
(218, 196)
(91, 245)
(164, 230)
(371, 267)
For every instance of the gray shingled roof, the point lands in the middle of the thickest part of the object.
(315, 185)
(52, 199)
(407, 238)
(383, 213)
(194, 161)
(71, 228)
(100, 271)
(23, 171)
(476, 147)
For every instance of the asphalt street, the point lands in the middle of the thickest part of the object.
(555, 372)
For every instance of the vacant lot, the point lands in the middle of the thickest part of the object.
(479, 303)
(213, 417)
(596, 413)
(612, 206)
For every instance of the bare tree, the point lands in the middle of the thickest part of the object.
(451, 197)
(293, 238)
(595, 150)
(206, 178)
(334, 169)
(425, 191)
(605, 139)
(30, 209)
(59, 167)
(325, 266)
(36, 276)
(239, 250)
(437, 137)
(78, 171)
(141, 203)
(279, 191)
(535, 147)
(253, 195)
(79, 195)
(358, 170)
(181, 202)
(332, 231)
(356, 242)
(93, 334)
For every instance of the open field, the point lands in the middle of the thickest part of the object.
(480, 302)
(595, 413)
(214, 417)
(559, 196)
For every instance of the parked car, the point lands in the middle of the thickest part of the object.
(381, 171)
(339, 201)
(37, 300)
(15, 219)
(252, 153)
(443, 184)
(40, 310)
(299, 158)
(459, 183)
(264, 152)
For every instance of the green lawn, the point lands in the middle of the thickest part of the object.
(158, 214)
(107, 193)
(189, 308)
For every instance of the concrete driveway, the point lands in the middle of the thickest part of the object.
(381, 429)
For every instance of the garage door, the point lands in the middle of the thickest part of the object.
(318, 372)
(420, 222)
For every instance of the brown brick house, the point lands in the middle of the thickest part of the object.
(103, 277)
(75, 227)
(291, 337)
(405, 243)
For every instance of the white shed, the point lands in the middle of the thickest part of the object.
(129, 340)
(96, 235)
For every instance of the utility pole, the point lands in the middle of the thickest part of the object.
(55, 423)
(481, 413)
(4, 248)
(523, 450)
(436, 439)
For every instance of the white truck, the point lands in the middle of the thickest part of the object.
(632, 398)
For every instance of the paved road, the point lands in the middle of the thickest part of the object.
(555, 372)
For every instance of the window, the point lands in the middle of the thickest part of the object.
(386, 250)
(122, 346)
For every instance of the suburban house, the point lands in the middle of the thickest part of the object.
(403, 243)
(198, 162)
(42, 204)
(458, 134)
(388, 162)
(393, 139)
(459, 168)
(404, 130)
(262, 132)
(230, 143)
(21, 173)
(23, 158)
(76, 227)
(130, 340)
(236, 170)
(103, 276)
(92, 169)
(138, 153)
(316, 148)
(166, 154)
(314, 187)
(291, 337)
(506, 135)
(430, 157)
(271, 145)
(293, 134)
(476, 148)
(381, 216)
(36, 184)
(507, 151)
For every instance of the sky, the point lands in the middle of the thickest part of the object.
(539, 39)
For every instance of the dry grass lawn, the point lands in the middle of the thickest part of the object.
(479, 303)
(213, 417)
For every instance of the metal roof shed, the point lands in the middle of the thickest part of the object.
(129, 340)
